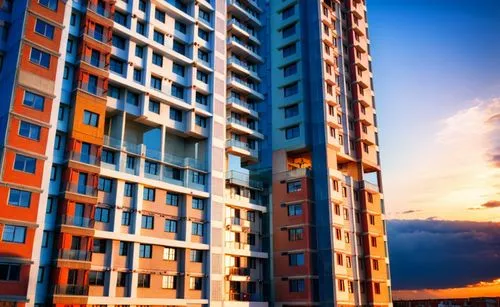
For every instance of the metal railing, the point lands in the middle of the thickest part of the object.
(81, 189)
(78, 221)
(74, 254)
(243, 179)
(238, 271)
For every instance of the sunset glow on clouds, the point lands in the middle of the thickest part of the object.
(457, 177)
(481, 289)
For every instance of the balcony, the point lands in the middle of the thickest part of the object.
(366, 185)
(98, 36)
(242, 106)
(71, 290)
(243, 49)
(242, 149)
(238, 224)
(246, 297)
(243, 127)
(81, 189)
(94, 61)
(100, 10)
(243, 11)
(92, 89)
(77, 221)
(73, 254)
(243, 67)
(293, 174)
(248, 88)
(112, 142)
(242, 179)
(83, 158)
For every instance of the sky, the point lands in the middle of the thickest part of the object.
(436, 66)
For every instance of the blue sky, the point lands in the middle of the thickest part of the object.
(433, 60)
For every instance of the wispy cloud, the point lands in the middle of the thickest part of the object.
(489, 205)
(459, 169)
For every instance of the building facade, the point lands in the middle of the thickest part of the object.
(189, 153)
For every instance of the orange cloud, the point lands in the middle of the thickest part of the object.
(481, 289)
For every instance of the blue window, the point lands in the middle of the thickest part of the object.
(179, 47)
(203, 34)
(198, 178)
(33, 100)
(289, 50)
(101, 215)
(288, 31)
(198, 203)
(116, 65)
(291, 89)
(159, 37)
(141, 28)
(154, 106)
(201, 98)
(129, 189)
(173, 199)
(200, 121)
(19, 198)
(156, 83)
(175, 114)
(203, 55)
(29, 130)
(142, 5)
(178, 69)
(288, 12)
(290, 69)
(90, 118)
(130, 162)
(148, 194)
(120, 18)
(40, 57)
(177, 91)
(126, 218)
(292, 111)
(204, 15)
(50, 4)
(118, 42)
(197, 229)
(171, 226)
(147, 222)
(294, 209)
(45, 29)
(25, 164)
(292, 132)
(158, 59)
(180, 26)
(14, 234)
(139, 51)
(105, 185)
(151, 167)
(145, 251)
(159, 15)
(296, 285)
(137, 75)
(202, 76)
(133, 98)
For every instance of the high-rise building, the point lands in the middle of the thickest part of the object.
(189, 153)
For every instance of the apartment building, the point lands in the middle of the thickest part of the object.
(189, 153)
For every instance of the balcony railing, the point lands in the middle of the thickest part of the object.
(243, 179)
(246, 9)
(73, 254)
(76, 290)
(81, 189)
(94, 61)
(78, 221)
(250, 48)
(237, 221)
(368, 185)
(99, 36)
(242, 297)
(242, 145)
(238, 271)
(241, 103)
(237, 245)
(99, 10)
(83, 158)
(92, 89)
(112, 142)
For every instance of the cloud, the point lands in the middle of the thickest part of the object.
(491, 204)
(408, 211)
(436, 254)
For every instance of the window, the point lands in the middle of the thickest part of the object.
(200, 121)
(105, 185)
(348, 262)
(291, 89)
(19, 198)
(171, 226)
(175, 114)
(101, 215)
(151, 167)
(294, 209)
(372, 219)
(289, 50)
(294, 186)
(370, 197)
(375, 265)
(25, 164)
(292, 110)
(129, 189)
(173, 199)
(292, 132)
(130, 162)
(159, 37)
(202, 76)
(118, 42)
(197, 229)
(45, 239)
(169, 253)
(195, 283)
(90, 118)
(145, 251)
(40, 58)
(156, 83)
(338, 234)
(178, 69)
(99, 246)
(295, 234)
(125, 218)
(201, 99)
(147, 222)
(143, 280)
(198, 178)
(251, 239)
(198, 203)
(341, 285)
(296, 259)
(288, 31)
(204, 15)
(177, 91)
(203, 55)
(108, 156)
(29, 130)
(296, 285)
(14, 234)
(9, 272)
(196, 255)
(154, 106)
(290, 69)
(347, 237)
(120, 18)
(142, 5)
(340, 259)
(33, 100)
(203, 34)
(121, 279)
(373, 241)
(50, 4)
(159, 15)
(179, 47)
(376, 286)
(251, 216)
(41, 274)
(133, 98)
(157, 59)
(45, 29)
(123, 250)
(181, 27)
(139, 51)
(149, 194)
(137, 75)
(116, 66)
(96, 278)
(168, 282)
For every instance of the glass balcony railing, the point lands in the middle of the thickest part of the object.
(234, 60)
(78, 221)
(83, 158)
(71, 290)
(242, 145)
(74, 254)
(112, 142)
(238, 271)
(94, 61)
(92, 89)
(251, 86)
(243, 179)
(81, 189)
(246, 46)
(241, 103)
(100, 10)
(97, 35)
